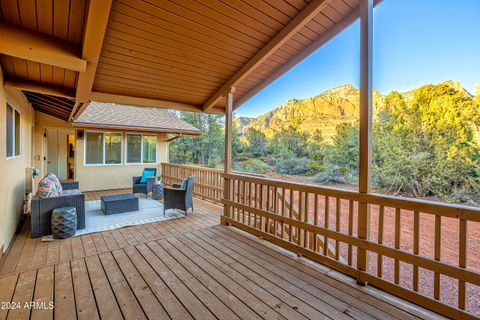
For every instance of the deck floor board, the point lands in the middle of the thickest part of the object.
(187, 268)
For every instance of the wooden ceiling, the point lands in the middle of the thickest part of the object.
(55, 106)
(179, 54)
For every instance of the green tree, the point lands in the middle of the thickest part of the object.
(428, 145)
(205, 149)
(289, 143)
(257, 142)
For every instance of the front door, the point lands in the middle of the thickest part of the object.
(52, 150)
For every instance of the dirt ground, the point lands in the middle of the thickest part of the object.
(449, 245)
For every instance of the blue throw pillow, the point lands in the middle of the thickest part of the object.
(184, 183)
(146, 174)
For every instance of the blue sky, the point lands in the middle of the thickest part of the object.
(415, 42)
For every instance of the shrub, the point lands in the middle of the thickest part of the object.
(255, 166)
(330, 175)
(293, 166)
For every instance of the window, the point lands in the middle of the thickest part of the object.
(103, 148)
(141, 148)
(13, 132)
(113, 148)
(149, 149)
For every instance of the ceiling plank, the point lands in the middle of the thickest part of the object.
(39, 87)
(327, 36)
(96, 25)
(144, 102)
(26, 44)
(283, 36)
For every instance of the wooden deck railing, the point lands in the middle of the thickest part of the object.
(208, 182)
(405, 248)
(412, 251)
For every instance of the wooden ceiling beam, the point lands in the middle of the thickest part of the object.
(74, 109)
(95, 28)
(144, 102)
(80, 110)
(295, 25)
(33, 46)
(34, 86)
(327, 36)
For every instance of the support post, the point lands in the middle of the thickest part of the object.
(228, 152)
(366, 35)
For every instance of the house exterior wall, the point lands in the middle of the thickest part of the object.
(95, 177)
(104, 177)
(12, 171)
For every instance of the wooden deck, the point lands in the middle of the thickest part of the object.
(189, 268)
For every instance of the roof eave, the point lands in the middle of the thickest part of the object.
(134, 128)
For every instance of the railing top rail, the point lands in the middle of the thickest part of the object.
(195, 167)
(425, 206)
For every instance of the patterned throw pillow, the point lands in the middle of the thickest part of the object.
(47, 188)
(55, 180)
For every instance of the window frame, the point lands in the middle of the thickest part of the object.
(141, 148)
(103, 149)
(20, 144)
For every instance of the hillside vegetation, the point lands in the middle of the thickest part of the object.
(426, 141)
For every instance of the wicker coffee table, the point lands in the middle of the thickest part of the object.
(119, 203)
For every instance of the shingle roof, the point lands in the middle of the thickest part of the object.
(111, 115)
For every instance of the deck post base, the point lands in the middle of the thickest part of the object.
(223, 221)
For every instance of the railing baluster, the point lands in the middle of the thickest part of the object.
(283, 214)
(275, 209)
(305, 218)
(338, 208)
(250, 203)
(235, 196)
(381, 220)
(307, 234)
(438, 242)
(290, 215)
(326, 224)
(398, 229)
(350, 230)
(315, 222)
(244, 196)
(416, 246)
(301, 213)
(462, 262)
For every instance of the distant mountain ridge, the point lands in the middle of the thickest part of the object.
(322, 112)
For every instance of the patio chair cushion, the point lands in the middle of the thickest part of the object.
(184, 183)
(47, 188)
(146, 174)
(55, 180)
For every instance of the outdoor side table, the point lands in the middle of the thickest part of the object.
(64, 222)
(157, 191)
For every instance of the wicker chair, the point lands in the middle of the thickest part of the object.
(144, 188)
(178, 198)
(41, 214)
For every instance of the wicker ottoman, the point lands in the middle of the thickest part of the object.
(64, 222)
(119, 203)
